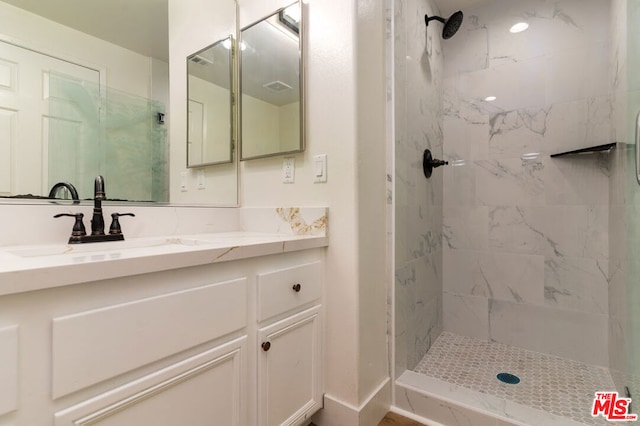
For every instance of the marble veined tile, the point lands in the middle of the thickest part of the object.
(502, 276)
(576, 283)
(512, 277)
(517, 132)
(578, 231)
(591, 62)
(551, 330)
(468, 50)
(516, 85)
(600, 120)
(465, 227)
(467, 315)
(459, 182)
(580, 180)
(510, 181)
(518, 229)
(458, 268)
(567, 126)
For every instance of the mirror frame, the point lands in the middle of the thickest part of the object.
(232, 117)
(301, 76)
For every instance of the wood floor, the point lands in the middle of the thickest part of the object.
(393, 419)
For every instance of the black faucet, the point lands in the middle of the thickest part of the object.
(97, 221)
(79, 235)
(72, 190)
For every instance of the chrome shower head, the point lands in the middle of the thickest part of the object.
(451, 25)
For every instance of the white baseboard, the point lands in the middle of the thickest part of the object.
(370, 412)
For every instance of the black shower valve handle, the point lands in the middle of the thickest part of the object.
(437, 163)
(429, 163)
(115, 228)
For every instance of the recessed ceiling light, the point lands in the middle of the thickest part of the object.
(490, 98)
(519, 27)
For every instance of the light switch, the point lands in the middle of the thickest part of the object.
(320, 168)
(288, 170)
(201, 184)
(183, 181)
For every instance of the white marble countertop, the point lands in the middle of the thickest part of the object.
(29, 268)
(160, 239)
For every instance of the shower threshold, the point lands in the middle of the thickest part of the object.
(456, 384)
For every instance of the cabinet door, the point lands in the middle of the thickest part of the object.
(289, 369)
(205, 390)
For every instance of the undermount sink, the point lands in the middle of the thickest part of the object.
(63, 249)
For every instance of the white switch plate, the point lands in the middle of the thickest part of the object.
(320, 168)
(183, 181)
(201, 184)
(288, 170)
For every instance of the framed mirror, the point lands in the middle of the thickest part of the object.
(210, 105)
(272, 85)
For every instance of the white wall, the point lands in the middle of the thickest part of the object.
(193, 25)
(345, 91)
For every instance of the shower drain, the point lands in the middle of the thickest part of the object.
(508, 378)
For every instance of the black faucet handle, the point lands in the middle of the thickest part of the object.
(78, 227)
(115, 223)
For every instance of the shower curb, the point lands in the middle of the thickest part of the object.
(434, 400)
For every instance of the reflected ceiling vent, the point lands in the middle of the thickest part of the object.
(201, 60)
(277, 86)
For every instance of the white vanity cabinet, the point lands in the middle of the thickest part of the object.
(93, 346)
(289, 339)
(177, 347)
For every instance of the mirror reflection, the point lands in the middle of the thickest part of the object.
(104, 53)
(83, 94)
(209, 91)
(271, 101)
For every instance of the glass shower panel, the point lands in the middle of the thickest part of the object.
(73, 143)
(624, 291)
(134, 161)
(98, 130)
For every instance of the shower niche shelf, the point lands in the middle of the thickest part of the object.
(589, 150)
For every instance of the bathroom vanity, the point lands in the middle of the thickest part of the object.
(210, 328)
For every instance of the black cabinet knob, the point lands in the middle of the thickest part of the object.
(297, 287)
(266, 346)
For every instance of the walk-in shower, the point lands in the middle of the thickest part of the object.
(513, 269)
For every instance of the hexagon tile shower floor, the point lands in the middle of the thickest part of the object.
(556, 385)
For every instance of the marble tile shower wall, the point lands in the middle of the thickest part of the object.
(418, 117)
(526, 237)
